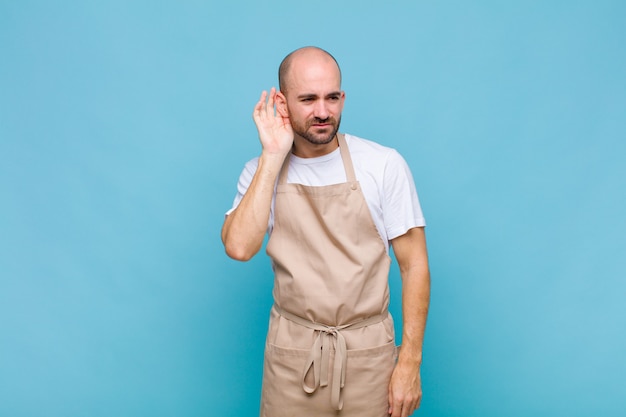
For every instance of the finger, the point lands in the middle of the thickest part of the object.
(417, 404)
(395, 408)
(407, 410)
(270, 102)
(259, 105)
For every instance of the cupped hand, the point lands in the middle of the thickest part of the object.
(275, 132)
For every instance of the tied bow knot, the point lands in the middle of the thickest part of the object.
(329, 338)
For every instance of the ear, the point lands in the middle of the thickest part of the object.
(281, 104)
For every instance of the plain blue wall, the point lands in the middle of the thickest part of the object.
(124, 126)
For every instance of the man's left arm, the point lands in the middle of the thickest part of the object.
(405, 388)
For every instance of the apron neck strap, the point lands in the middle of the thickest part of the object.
(345, 156)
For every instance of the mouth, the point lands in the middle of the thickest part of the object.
(321, 125)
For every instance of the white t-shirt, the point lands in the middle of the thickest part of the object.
(384, 176)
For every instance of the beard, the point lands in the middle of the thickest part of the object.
(307, 130)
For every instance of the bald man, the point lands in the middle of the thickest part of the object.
(331, 204)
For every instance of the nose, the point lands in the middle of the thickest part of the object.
(321, 110)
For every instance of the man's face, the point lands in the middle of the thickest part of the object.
(314, 100)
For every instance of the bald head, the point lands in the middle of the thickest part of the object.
(308, 55)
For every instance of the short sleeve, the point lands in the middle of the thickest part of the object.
(245, 179)
(400, 203)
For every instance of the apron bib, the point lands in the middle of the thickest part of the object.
(330, 347)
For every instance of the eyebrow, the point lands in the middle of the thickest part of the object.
(311, 95)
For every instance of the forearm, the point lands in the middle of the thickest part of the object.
(405, 388)
(412, 256)
(244, 229)
(415, 302)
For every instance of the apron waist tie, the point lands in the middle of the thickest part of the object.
(319, 357)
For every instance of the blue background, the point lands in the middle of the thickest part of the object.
(124, 127)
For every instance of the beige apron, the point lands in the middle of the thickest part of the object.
(330, 347)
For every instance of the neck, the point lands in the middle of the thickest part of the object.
(304, 149)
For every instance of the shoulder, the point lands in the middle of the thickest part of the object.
(252, 164)
(250, 167)
(373, 154)
(247, 173)
(357, 144)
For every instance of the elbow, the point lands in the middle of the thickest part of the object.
(237, 246)
(238, 252)
(238, 255)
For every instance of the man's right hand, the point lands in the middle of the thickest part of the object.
(275, 132)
